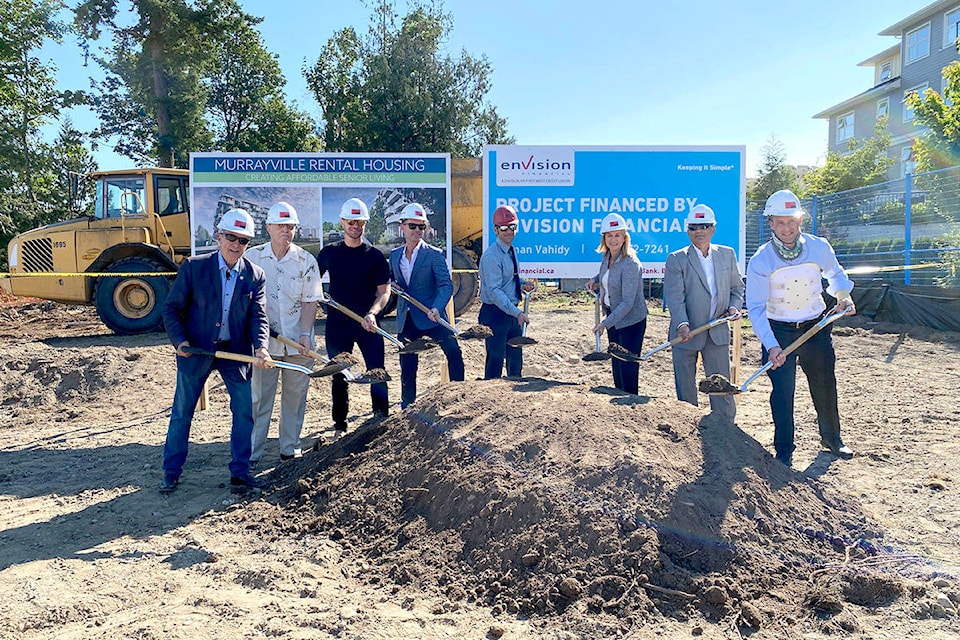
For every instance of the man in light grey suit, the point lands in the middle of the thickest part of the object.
(421, 271)
(702, 282)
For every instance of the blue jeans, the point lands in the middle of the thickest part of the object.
(189, 388)
(504, 327)
(409, 362)
(626, 375)
(817, 359)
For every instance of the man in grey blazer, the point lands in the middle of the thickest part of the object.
(702, 282)
(421, 270)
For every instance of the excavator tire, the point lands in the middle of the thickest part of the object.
(466, 284)
(132, 304)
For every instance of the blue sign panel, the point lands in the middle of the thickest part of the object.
(562, 194)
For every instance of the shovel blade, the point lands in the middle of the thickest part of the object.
(372, 376)
(329, 370)
(418, 345)
(476, 332)
(717, 385)
(596, 356)
(520, 341)
(622, 354)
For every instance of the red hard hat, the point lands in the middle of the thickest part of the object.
(504, 215)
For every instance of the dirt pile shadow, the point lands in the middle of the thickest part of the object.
(560, 500)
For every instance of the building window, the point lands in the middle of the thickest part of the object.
(886, 71)
(907, 111)
(951, 30)
(883, 108)
(908, 162)
(918, 43)
(844, 127)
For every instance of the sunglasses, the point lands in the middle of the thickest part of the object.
(417, 226)
(506, 227)
(355, 223)
(229, 237)
(696, 227)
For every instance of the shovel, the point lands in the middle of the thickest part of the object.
(622, 353)
(239, 357)
(716, 322)
(415, 346)
(597, 355)
(522, 340)
(340, 363)
(475, 332)
(717, 385)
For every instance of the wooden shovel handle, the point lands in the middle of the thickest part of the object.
(296, 345)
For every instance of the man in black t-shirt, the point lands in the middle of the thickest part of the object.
(359, 281)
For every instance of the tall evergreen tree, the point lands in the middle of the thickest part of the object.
(395, 90)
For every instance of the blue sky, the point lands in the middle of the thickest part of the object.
(621, 72)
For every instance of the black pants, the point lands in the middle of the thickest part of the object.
(341, 335)
(626, 375)
(818, 361)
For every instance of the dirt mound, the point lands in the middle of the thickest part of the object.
(559, 499)
(43, 377)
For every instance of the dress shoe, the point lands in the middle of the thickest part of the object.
(169, 484)
(247, 481)
(840, 450)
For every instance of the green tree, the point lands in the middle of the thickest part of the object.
(189, 76)
(30, 194)
(395, 90)
(152, 100)
(866, 162)
(774, 173)
(939, 146)
(246, 104)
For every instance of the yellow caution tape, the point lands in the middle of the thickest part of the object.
(48, 274)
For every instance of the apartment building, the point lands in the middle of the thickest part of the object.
(927, 43)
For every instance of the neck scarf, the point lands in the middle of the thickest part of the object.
(783, 252)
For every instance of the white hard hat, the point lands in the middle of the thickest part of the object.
(413, 211)
(613, 222)
(783, 203)
(701, 214)
(354, 209)
(238, 222)
(282, 213)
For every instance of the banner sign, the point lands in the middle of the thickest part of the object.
(317, 185)
(562, 194)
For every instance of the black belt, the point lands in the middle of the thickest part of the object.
(221, 345)
(803, 324)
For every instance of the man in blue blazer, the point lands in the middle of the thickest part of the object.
(216, 303)
(421, 270)
(702, 282)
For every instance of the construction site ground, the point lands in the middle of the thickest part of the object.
(551, 506)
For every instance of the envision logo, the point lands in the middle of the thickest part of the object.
(534, 166)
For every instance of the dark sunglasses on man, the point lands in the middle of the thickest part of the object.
(417, 226)
(229, 237)
(506, 227)
(699, 226)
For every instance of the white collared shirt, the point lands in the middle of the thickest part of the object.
(706, 263)
(406, 266)
(290, 281)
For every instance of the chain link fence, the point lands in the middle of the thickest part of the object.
(905, 231)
